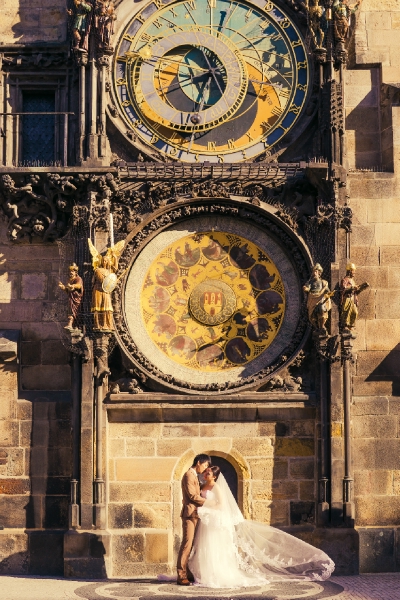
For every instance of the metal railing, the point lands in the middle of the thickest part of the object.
(262, 171)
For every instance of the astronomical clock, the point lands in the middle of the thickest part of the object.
(210, 80)
(212, 298)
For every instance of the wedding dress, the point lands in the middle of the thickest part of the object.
(231, 552)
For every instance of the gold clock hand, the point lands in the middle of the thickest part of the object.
(173, 85)
(274, 85)
(180, 62)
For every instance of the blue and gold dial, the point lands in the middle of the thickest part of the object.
(218, 81)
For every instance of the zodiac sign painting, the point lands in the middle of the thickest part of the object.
(212, 301)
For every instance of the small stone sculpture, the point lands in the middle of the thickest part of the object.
(349, 291)
(342, 12)
(74, 289)
(125, 384)
(104, 22)
(318, 299)
(105, 281)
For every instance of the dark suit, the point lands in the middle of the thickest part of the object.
(191, 499)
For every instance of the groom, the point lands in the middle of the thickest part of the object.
(191, 499)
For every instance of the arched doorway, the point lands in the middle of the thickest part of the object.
(228, 472)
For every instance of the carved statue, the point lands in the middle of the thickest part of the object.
(80, 26)
(104, 22)
(318, 299)
(342, 11)
(74, 289)
(315, 14)
(125, 384)
(105, 281)
(349, 291)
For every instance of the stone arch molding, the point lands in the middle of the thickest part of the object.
(198, 214)
(231, 455)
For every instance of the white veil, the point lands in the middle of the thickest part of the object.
(264, 551)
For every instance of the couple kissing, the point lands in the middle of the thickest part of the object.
(221, 549)
(192, 499)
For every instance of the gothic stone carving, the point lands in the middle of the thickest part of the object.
(37, 60)
(316, 15)
(41, 205)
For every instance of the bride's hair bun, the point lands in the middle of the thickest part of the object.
(216, 470)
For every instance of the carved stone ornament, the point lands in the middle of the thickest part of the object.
(41, 205)
(166, 349)
(317, 15)
(37, 60)
(338, 216)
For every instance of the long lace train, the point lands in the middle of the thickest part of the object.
(229, 551)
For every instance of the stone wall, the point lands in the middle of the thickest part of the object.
(274, 462)
(30, 21)
(35, 436)
(372, 120)
(375, 249)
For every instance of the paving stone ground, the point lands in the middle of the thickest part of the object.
(382, 586)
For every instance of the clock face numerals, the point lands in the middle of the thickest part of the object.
(217, 81)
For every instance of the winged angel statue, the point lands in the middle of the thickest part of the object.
(105, 280)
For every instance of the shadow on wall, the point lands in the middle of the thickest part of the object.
(40, 21)
(363, 131)
(35, 468)
(385, 368)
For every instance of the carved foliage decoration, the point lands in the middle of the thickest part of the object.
(41, 205)
(37, 60)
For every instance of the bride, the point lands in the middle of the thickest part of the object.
(229, 551)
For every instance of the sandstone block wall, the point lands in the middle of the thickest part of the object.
(32, 21)
(375, 247)
(35, 425)
(372, 125)
(274, 461)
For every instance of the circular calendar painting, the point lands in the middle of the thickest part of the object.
(212, 300)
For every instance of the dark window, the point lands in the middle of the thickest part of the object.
(38, 131)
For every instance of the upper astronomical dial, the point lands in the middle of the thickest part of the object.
(228, 73)
(216, 81)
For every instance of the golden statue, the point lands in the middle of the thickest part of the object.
(318, 299)
(105, 281)
(74, 289)
(349, 291)
(315, 13)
